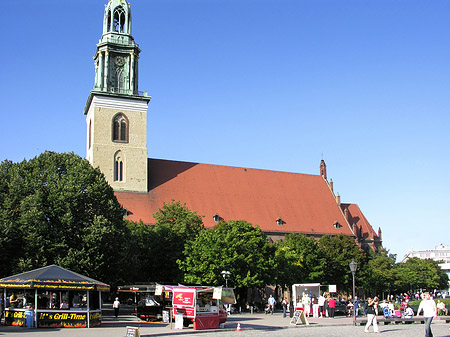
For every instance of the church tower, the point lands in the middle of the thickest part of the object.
(116, 112)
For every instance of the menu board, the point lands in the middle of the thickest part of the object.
(299, 318)
(295, 317)
(132, 332)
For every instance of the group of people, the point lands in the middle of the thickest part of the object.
(427, 305)
(325, 305)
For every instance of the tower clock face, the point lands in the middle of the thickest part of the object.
(119, 61)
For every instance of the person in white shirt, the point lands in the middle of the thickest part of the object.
(429, 312)
(321, 304)
(409, 313)
(116, 305)
(306, 301)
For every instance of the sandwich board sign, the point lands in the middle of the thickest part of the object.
(299, 318)
(132, 332)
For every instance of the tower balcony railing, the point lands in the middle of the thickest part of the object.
(118, 39)
(122, 91)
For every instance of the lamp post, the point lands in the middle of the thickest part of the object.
(353, 266)
(226, 275)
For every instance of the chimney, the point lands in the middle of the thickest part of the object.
(323, 169)
(347, 214)
(379, 233)
(338, 199)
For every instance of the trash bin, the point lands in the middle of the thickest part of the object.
(29, 317)
(178, 321)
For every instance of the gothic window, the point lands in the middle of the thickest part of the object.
(120, 128)
(120, 82)
(118, 168)
(119, 20)
(109, 21)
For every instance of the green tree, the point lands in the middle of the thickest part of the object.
(298, 260)
(417, 273)
(176, 227)
(379, 273)
(139, 253)
(58, 209)
(235, 246)
(337, 252)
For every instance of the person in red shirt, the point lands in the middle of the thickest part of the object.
(331, 307)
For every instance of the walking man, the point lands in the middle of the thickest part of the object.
(271, 302)
(429, 312)
(372, 312)
(116, 305)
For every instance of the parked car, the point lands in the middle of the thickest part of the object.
(341, 309)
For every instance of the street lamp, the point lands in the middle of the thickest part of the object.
(353, 266)
(226, 275)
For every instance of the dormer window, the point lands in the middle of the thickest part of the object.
(337, 225)
(216, 218)
(280, 222)
(120, 129)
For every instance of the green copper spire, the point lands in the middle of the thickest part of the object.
(116, 59)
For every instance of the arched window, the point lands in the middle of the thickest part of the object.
(119, 20)
(119, 174)
(120, 128)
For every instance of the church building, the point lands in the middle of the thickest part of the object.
(116, 118)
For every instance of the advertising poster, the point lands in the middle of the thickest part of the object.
(181, 297)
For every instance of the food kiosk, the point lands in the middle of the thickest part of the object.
(311, 289)
(52, 297)
(203, 306)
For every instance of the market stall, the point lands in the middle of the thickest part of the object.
(52, 297)
(202, 306)
(301, 289)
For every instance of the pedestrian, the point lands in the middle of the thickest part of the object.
(356, 307)
(284, 304)
(321, 304)
(271, 302)
(372, 311)
(429, 312)
(315, 306)
(116, 305)
(306, 301)
(331, 307)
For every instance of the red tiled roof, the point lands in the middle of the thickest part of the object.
(304, 202)
(357, 217)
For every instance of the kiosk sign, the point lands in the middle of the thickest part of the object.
(184, 298)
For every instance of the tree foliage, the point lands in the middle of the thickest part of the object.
(337, 252)
(235, 246)
(298, 260)
(379, 273)
(418, 273)
(58, 209)
(176, 227)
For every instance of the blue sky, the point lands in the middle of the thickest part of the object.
(269, 84)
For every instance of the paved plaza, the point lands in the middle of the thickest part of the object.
(251, 325)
